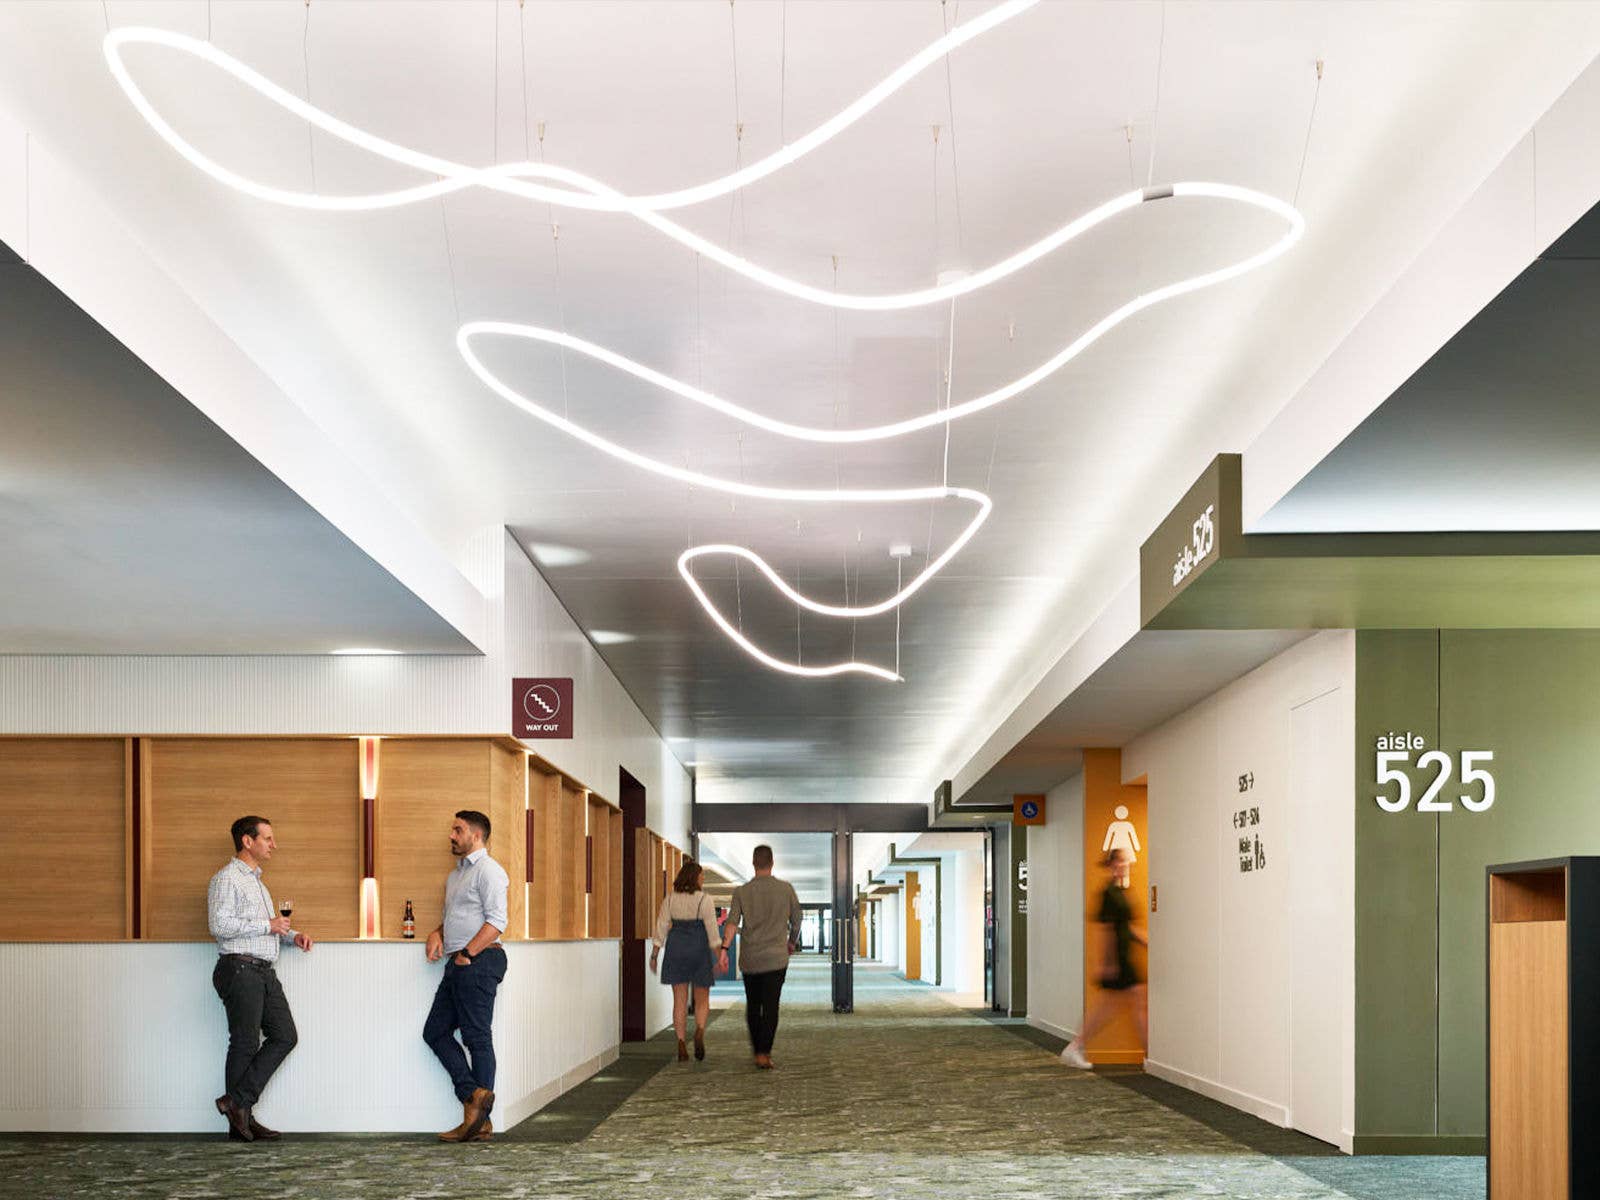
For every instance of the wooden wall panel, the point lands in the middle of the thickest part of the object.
(508, 801)
(605, 898)
(571, 863)
(544, 801)
(308, 788)
(644, 887)
(422, 784)
(63, 815)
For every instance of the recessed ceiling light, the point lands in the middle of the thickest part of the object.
(361, 650)
(548, 554)
(610, 637)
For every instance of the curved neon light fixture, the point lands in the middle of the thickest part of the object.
(552, 184)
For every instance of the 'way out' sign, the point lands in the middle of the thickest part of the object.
(541, 708)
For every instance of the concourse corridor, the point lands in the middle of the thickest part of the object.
(907, 1098)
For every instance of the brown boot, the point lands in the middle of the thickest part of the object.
(262, 1133)
(484, 1134)
(458, 1134)
(683, 1051)
(476, 1113)
(238, 1119)
(699, 1044)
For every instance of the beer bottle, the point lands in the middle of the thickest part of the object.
(408, 927)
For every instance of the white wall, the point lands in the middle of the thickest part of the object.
(1055, 912)
(889, 952)
(958, 931)
(963, 955)
(130, 1037)
(1224, 943)
(528, 633)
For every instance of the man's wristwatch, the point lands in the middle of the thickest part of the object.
(464, 954)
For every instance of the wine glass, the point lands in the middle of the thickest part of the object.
(286, 907)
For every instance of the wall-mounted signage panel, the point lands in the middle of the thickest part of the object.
(541, 708)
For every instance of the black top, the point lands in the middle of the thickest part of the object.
(1116, 912)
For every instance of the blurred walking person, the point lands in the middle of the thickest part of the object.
(1121, 987)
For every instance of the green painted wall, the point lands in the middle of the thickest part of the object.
(1396, 895)
(1532, 697)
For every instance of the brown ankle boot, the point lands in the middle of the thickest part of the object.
(477, 1110)
(484, 1134)
(683, 1051)
(699, 1044)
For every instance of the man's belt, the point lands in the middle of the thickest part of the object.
(248, 958)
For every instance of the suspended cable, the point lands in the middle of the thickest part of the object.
(950, 106)
(1155, 116)
(311, 129)
(1305, 151)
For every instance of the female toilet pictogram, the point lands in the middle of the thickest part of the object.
(1121, 835)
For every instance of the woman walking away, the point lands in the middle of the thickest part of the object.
(687, 926)
(1119, 982)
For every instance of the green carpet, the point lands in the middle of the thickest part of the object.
(908, 1098)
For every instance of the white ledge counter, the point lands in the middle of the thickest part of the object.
(130, 1037)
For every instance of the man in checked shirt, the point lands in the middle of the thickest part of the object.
(248, 934)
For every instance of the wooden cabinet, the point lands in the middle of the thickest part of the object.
(1543, 1040)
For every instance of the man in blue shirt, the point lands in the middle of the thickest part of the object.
(474, 917)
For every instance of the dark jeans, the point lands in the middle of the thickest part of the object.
(761, 991)
(465, 1001)
(256, 1006)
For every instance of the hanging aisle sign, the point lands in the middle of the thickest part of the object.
(541, 708)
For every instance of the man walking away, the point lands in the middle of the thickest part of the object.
(474, 918)
(768, 911)
(240, 915)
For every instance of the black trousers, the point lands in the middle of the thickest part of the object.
(761, 992)
(256, 1008)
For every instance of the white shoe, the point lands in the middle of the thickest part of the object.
(1073, 1057)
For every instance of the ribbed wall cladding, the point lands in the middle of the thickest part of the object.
(131, 1037)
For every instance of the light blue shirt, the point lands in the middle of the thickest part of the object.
(474, 895)
(239, 912)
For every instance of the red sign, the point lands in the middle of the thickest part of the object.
(541, 708)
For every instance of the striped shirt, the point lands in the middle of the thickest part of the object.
(239, 911)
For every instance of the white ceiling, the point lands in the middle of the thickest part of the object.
(1509, 401)
(128, 521)
(353, 316)
(804, 859)
(1155, 675)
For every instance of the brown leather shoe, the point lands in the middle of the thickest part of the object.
(699, 1045)
(238, 1118)
(764, 1061)
(479, 1105)
(458, 1133)
(262, 1133)
(683, 1051)
(484, 1134)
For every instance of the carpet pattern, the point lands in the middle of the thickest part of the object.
(909, 1097)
